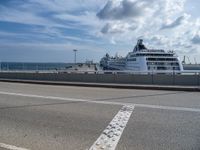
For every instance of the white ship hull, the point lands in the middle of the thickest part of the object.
(144, 60)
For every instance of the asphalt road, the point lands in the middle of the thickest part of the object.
(44, 117)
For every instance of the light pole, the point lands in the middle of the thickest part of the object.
(75, 51)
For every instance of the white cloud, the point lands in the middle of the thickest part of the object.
(86, 18)
(118, 22)
(147, 17)
(117, 27)
(61, 6)
(196, 39)
(18, 16)
(125, 9)
(179, 21)
(34, 12)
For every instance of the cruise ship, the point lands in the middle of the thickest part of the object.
(144, 60)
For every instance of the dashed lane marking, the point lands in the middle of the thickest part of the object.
(11, 147)
(110, 137)
(104, 102)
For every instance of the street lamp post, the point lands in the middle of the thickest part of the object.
(75, 51)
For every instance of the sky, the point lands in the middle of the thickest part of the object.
(49, 30)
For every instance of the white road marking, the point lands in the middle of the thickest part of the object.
(111, 135)
(44, 97)
(11, 147)
(168, 107)
(103, 102)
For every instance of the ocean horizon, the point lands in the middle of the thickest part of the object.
(14, 66)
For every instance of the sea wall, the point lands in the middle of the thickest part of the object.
(157, 79)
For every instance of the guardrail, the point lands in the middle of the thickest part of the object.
(186, 78)
(190, 72)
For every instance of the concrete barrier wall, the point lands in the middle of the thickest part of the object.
(157, 79)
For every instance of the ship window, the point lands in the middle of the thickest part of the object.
(133, 55)
(132, 59)
(162, 68)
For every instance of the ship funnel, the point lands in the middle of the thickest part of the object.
(139, 46)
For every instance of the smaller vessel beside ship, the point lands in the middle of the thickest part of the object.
(143, 59)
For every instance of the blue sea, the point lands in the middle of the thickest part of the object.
(14, 66)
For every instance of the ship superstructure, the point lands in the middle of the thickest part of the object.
(143, 59)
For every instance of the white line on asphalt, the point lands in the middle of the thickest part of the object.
(168, 107)
(103, 102)
(11, 147)
(111, 135)
(40, 96)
